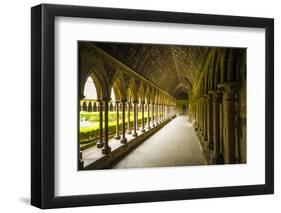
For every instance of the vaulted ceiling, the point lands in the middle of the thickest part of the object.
(171, 67)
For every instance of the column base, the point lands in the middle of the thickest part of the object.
(106, 150)
(143, 130)
(153, 125)
(205, 138)
(129, 132)
(218, 160)
(117, 137)
(123, 140)
(149, 127)
(135, 134)
(211, 146)
(100, 144)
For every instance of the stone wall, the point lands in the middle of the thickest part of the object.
(218, 106)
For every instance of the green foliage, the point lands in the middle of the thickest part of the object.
(91, 133)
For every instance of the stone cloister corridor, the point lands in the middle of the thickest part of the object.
(153, 105)
(179, 150)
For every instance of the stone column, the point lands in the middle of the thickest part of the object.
(137, 108)
(94, 106)
(89, 106)
(117, 136)
(106, 148)
(216, 100)
(148, 117)
(160, 113)
(129, 113)
(202, 117)
(80, 105)
(166, 112)
(200, 114)
(100, 142)
(190, 113)
(123, 136)
(195, 112)
(221, 130)
(157, 114)
(229, 90)
(152, 113)
(84, 106)
(142, 118)
(209, 122)
(135, 134)
(205, 122)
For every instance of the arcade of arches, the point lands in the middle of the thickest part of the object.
(129, 92)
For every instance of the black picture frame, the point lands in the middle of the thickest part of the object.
(43, 111)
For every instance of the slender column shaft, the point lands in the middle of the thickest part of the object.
(106, 148)
(200, 115)
(148, 117)
(161, 112)
(135, 134)
(129, 121)
(209, 124)
(156, 114)
(137, 116)
(100, 142)
(205, 122)
(81, 105)
(117, 136)
(164, 112)
(152, 113)
(142, 118)
(221, 129)
(216, 99)
(229, 129)
(123, 137)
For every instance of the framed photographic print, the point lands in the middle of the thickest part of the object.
(139, 106)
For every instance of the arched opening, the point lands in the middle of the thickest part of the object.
(184, 110)
(89, 114)
(158, 85)
(90, 91)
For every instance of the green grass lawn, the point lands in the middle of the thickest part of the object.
(91, 131)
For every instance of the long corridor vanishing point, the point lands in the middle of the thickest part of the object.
(160, 105)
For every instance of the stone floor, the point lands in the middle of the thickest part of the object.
(173, 145)
(92, 154)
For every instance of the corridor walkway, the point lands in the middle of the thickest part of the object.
(173, 145)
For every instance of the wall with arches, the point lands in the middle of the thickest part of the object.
(118, 88)
(216, 98)
(218, 105)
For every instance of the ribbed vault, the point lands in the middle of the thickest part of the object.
(173, 68)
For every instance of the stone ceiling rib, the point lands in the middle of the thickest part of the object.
(167, 66)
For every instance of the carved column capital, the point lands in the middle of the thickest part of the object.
(228, 89)
(81, 96)
(106, 100)
(216, 96)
